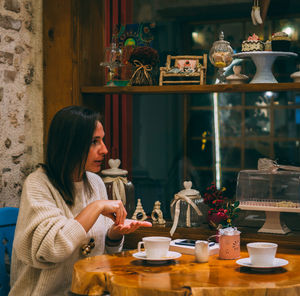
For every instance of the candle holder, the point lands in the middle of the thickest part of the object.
(113, 57)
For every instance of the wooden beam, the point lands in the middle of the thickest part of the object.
(57, 58)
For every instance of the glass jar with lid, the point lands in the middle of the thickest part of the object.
(186, 208)
(220, 56)
(118, 186)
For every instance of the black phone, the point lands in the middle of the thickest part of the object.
(189, 242)
(186, 242)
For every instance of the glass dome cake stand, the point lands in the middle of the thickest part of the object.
(263, 61)
(273, 223)
(273, 192)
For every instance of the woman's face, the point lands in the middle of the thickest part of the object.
(97, 150)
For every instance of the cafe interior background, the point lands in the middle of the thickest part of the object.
(50, 50)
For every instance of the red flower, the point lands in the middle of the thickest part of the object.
(214, 197)
(218, 203)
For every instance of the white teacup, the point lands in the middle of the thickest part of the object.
(262, 253)
(156, 247)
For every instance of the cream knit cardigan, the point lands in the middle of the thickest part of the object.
(48, 239)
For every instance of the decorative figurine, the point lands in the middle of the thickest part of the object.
(139, 213)
(296, 75)
(190, 70)
(237, 77)
(157, 215)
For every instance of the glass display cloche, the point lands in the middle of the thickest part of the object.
(220, 56)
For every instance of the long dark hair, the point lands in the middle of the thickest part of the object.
(69, 139)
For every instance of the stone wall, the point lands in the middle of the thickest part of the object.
(21, 95)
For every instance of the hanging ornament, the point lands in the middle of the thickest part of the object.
(255, 14)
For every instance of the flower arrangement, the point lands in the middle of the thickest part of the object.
(222, 210)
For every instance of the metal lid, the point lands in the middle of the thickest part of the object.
(114, 168)
(188, 191)
(221, 40)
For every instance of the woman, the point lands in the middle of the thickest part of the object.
(64, 211)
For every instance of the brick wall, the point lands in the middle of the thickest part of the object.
(21, 97)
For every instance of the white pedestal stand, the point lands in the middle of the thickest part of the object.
(263, 61)
(272, 224)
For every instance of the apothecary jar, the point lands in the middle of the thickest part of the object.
(220, 55)
(187, 207)
(118, 186)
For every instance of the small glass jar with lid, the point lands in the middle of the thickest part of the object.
(186, 208)
(220, 56)
(118, 186)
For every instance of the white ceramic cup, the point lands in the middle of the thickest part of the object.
(155, 246)
(201, 251)
(262, 253)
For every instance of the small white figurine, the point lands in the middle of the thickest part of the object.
(139, 213)
(157, 215)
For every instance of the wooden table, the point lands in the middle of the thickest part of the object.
(122, 274)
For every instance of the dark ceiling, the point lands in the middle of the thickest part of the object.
(223, 11)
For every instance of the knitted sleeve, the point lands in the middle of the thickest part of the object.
(46, 232)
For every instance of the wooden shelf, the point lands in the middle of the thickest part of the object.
(183, 89)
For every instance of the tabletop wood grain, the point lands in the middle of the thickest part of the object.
(122, 274)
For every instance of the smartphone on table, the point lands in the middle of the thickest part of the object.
(189, 242)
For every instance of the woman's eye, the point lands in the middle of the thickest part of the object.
(96, 142)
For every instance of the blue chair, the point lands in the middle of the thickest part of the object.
(8, 219)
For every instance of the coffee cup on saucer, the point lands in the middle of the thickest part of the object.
(155, 246)
(262, 253)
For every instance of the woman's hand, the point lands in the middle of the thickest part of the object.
(117, 230)
(112, 209)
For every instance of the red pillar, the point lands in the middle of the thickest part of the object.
(118, 108)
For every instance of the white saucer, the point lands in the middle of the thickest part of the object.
(277, 263)
(170, 256)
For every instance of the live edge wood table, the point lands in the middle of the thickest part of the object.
(123, 275)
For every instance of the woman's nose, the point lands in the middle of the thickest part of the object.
(104, 149)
